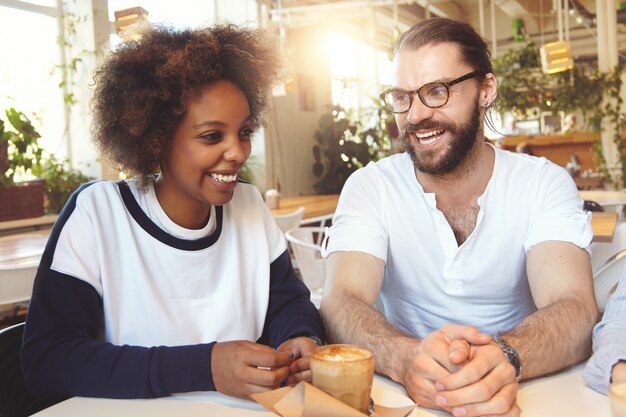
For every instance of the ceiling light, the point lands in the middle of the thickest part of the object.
(556, 57)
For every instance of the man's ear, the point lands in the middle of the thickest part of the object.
(488, 90)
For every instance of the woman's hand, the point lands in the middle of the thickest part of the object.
(241, 368)
(300, 347)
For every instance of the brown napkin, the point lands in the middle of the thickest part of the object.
(304, 400)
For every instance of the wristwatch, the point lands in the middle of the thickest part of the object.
(317, 340)
(511, 356)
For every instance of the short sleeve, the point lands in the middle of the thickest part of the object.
(558, 212)
(77, 253)
(358, 223)
(276, 241)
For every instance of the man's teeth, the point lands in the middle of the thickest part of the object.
(428, 134)
(224, 178)
(423, 137)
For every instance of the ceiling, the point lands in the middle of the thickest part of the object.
(377, 21)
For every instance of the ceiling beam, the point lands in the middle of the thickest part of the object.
(442, 8)
(529, 11)
(334, 6)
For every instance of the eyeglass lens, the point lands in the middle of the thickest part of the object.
(432, 95)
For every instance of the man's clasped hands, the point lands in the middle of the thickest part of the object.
(461, 370)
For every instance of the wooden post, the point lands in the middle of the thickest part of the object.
(4, 157)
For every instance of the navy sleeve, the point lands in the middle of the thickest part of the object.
(62, 354)
(290, 311)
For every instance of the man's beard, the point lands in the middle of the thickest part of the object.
(464, 137)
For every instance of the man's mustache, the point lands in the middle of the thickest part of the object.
(409, 127)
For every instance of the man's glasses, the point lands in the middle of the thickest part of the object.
(433, 95)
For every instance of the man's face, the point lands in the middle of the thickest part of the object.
(438, 140)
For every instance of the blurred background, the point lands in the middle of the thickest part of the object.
(326, 119)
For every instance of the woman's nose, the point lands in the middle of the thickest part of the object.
(237, 150)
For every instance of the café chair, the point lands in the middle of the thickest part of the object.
(290, 220)
(19, 258)
(589, 205)
(606, 279)
(16, 283)
(310, 262)
(15, 399)
(602, 252)
(16, 286)
(325, 220)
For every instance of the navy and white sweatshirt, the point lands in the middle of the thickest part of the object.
(127, 304)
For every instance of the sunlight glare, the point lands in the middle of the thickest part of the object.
(342, 56)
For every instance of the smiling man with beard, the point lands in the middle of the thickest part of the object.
(459, 150)
(462, 266)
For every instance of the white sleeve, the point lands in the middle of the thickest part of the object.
(359, 221)
(76, 252)
(276, 241)
(609, 341)
(558, 213)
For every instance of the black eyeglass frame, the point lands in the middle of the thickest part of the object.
(411, 93)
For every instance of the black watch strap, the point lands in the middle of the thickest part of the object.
(511, 356)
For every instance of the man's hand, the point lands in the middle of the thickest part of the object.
(442, 352)
(484, 385)
(618, 374)
(300, 347)
(241, 368)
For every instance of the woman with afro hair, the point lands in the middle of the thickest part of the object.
(177, 279)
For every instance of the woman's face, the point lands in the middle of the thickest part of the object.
(205, 155)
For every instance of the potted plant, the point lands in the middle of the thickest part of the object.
(61, 180)
(345, 143)
(525, 91)
(19, 155)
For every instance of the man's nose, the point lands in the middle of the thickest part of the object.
(418, 111)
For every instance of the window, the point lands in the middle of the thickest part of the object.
(29, 54)
(358, 71)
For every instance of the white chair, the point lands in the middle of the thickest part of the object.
(606, 279)
(319, 221)
(310, 262)
(290, 220)
(16, 283)
(601, 252)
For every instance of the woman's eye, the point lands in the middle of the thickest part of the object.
(211, 136)
(247, 132)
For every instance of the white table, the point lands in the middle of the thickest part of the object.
(19, 258)
(43, 223)
(560, 395)
(606, 198)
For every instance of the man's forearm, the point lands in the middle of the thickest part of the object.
(554, 337)
(349, 320)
